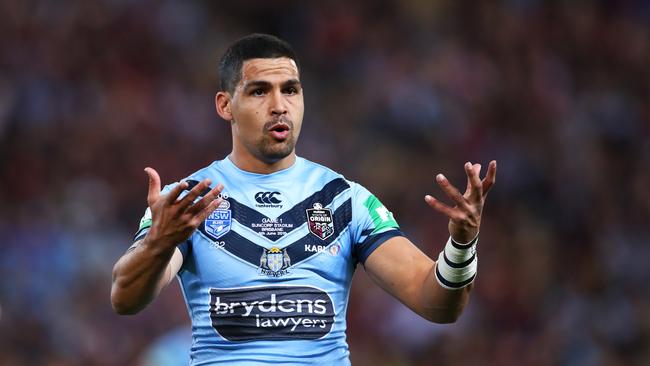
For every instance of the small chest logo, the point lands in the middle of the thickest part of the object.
(320, 221)
(334, 249)
(275, 262)
(219, 222)
(268, 199)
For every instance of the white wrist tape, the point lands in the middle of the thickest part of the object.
(457, 264)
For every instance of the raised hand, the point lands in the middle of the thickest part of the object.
(174, 219)
(465, 216)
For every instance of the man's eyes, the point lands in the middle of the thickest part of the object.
(261, 92)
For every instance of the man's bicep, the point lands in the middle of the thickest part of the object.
(400, 268)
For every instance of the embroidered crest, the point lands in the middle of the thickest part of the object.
(275, 262)
(334, 249)
(320, 221)
(219, 222)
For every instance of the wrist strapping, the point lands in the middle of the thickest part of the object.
(457, 264)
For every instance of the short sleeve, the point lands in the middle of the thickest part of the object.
(372, 222)
(145, 225)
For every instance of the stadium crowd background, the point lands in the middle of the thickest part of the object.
(396, 91)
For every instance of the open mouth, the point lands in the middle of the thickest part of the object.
(280, 131)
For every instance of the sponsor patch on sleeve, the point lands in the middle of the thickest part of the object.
(382, 219)
(146, 219)
(143, 228)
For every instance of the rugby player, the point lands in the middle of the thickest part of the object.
(265, 243)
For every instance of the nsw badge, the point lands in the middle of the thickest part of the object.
(320, 221)
(219, 222)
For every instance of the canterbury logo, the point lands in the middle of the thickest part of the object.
(267, 197)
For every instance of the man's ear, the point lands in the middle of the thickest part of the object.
(222, 102)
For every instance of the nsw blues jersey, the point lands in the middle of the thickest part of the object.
(266, 277)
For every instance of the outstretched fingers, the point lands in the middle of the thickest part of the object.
(153, 194)
(154, 185)
(490, 177)
(206, 211)
(465, 217)
(206, 201)
(474, 184)
(451, 191)
(173, 194)
(450, 212)
(195, 192)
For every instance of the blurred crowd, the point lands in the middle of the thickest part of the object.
(558, 92)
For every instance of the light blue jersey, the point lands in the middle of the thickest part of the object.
(266, 277)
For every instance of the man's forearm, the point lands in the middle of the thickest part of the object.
(441, 305)
(137, 276)
(449, 282)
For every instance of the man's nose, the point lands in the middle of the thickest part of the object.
(278, 104)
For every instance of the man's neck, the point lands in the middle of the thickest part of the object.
(254, 165)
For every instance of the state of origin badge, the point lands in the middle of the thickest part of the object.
(320, 221)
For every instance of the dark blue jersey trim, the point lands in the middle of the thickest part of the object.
(296, 215)
(251, 252)
(185, 247)
(191, 183)
(140, 236)
(363, 250)
(241, 247)
(342, 218)
(367, 232)
(139, 233)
